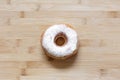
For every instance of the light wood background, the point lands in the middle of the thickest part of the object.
(97, 23)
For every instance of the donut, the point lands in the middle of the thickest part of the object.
(60, 41)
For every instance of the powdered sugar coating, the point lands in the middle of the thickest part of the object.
(55, 50)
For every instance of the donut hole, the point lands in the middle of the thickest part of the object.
(60, 39)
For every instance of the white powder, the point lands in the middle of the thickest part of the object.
(60, 51)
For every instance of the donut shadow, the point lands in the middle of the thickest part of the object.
(60, 63)
(67, 63)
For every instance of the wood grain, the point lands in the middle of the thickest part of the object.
(97, 23)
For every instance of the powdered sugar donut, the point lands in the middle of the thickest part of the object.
(60, 41)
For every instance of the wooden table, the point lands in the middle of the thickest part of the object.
(97, 23)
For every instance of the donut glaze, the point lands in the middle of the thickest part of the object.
(60, 41)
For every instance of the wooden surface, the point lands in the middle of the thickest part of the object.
(97, 23)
